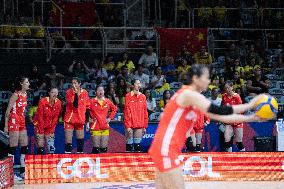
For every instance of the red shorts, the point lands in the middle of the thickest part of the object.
(240, 125)
(196, 130)
(44, 130)
(71, 126)
(16, 125)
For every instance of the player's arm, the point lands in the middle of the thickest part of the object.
(12, 101)
(234, 118)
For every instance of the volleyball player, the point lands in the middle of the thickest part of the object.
(229, 97)
(15, 122)
(102, 110)
(77, 107)
(46, 119)
(135, 117)
(178, 117)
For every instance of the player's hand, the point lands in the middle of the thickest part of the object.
(253, 101)
(255, 118)
(143, 132)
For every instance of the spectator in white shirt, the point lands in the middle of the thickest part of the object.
(98, 73)
(215, 99)
(158, 79)
(142, 77)
(149, 59)
(151, 102)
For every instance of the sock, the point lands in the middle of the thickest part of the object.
(80, 145)
(95, 150)
(50, 145)
(68, 148)
(103, 150)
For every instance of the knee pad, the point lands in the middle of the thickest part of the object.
(95, 150)
(240, 145)
(50, 144)
(24, 150)
(129, 147)
(137, 140)
(40, 151)
(103, 150)
(12, 150)
(227, 145)
(68, 148)
(129, 141)
(80, 145)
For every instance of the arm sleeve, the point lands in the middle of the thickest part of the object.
(56, 115)
(126, 112)
(113, 110)
(145, 114)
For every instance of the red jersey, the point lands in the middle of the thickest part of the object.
(47, 115)
(234, 100)
(17, 114)
(101, 112)
(201, 120)
(76, 115)
(135, 111)
(170, 136)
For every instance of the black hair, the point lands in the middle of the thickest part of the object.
(77, 79)
(35, 101)
(144, 92)
(164, 94)
(98, 86)
(196, 70)
(18, 83)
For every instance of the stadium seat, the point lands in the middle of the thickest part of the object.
(88, 86)
(273, 84)
(279, 71)
(276, 91)
(118, 117)
(62, 94)
(40, 93)
(66, 86)
(92, 93)
(154, 94)
(271, 76)
(281, 99)
(280, 85)
(5, 96)
(155, 116)
(248, 98)
(221, 59)
(175, 85)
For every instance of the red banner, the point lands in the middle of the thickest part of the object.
(63, 168)
(173, 39)
(6, 173)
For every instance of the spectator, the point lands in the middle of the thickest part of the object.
(159, 81)
(111, 93)
(142, 77)
(251, 67)
(36, 80)
(97, 73)
(33, 108)
(78, 69)
(185, 55)
(214, 82)
(151, 102)
(22, 32)
(258, 83)
(78, 34)
(215, 99)
(238, 82)
(169, 70)
(54, 79)
(233, 53)
(56, 38)
(203, 57)
(125, 74)
(121, 90)
(165, 100)
(149, 59)
(252, 54)
(204, 14)
(125, 61)
(220, 12)
(109, 64)
(183, 70)
(38, 33)
(238, 68)
(7, 32)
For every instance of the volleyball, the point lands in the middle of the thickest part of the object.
(266, 107)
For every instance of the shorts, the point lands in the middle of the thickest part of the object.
(168, 163)
(14, 125)
(71, 126)
(44, 130)
(100, 132)
(241, 125)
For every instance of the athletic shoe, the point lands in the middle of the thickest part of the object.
(197, 148)
(243, 150)
(17, 178)
(67, 152)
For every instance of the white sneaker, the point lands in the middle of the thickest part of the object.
(17, 178)
(243, 150)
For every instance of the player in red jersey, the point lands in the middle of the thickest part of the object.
(179, 117)
(15, 122)
(46, 119)
(102, 110)
(77, 107)
(229, 97)
(135, 117)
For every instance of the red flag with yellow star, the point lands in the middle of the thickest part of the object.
(174, 39)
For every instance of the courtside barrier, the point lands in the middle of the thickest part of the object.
(6, 173)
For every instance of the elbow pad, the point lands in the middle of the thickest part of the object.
(75, 102)
(220, 110)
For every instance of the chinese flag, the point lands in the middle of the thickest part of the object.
(173, 39)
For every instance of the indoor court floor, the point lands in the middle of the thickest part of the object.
(145, 185)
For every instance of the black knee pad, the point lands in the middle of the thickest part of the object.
(129, 147)
(137, 147)
(40, 151)
(68, 148)
(80, 145)
(240, 145)
(95, 150)
(24, 150)
(12, 150)
(227, 145)
(103, 150)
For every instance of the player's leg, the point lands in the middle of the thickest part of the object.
(229, 132)
(80, 137)
(96, 138)
(172, 179)
(50, 137)
(40, 143)
(68, 129)
(23, 141)
(137, 134)
(193, 139)
(129, 140)
(104, 141)
(239, 132)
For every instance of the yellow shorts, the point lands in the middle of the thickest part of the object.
(100, 133)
